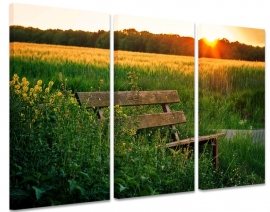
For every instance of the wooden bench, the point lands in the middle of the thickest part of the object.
(166, 118)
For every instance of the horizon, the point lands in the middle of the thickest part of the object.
(142, 31)
(244, 35)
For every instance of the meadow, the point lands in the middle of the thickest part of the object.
(57, 147)
(143, 165)
(83, 68)
(59, 154)
(232, 96)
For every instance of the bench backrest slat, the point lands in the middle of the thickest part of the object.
(156, 120)
(136, 98)
(93, 99)
(132, 98)
(127, 98)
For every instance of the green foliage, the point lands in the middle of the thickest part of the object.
(76, 73)
(241, 162)
(143, 165)
(132, 40)
(100, 39)
(232, 96)
(59, 151)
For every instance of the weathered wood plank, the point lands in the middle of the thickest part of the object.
(129, 98)
(155, 120)
(201, 139)
(210, 137)
(166, 109)
(93, 99)
(180, 142)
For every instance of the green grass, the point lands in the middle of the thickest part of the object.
(232, 96)
(61, 156)
(143, 164)
(59, 152)
(80, 76)
(241, 162)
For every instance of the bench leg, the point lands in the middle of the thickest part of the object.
(215, 152)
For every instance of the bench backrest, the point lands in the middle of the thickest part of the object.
(135, 98)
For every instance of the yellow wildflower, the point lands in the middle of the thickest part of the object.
(50, 84)
(132, 132)
(25, 82)
(17, 91)
(47, 90)
(25, 89)
(51, 100)
(24, 95)
(15, 77)
(31, 91)
(39, 82)
(59, 93)
(12, 82)
(17, 87)
(37, 89)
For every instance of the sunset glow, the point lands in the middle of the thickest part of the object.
(210, 42)
(249, 36)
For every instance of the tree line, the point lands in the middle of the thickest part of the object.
(100, 39)
(225, 49)
(144, 41)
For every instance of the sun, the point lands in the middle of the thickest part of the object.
(210, 42)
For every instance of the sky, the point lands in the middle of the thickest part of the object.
(154, 25)
(249, 36)
(58, 18)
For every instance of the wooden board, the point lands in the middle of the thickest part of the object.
(93, 99)
(201, 139)
(154, 120)
(129, 98)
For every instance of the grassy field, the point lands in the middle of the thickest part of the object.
(143, 165)
(232, 96)
(82, 67)
(58, 152)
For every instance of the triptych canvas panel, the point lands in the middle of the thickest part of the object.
(60, 102)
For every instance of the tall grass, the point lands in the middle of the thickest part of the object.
(143, 164)
(231, 93)
(59, 151)
(232, 96)
(82, 67)
(241, 162)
